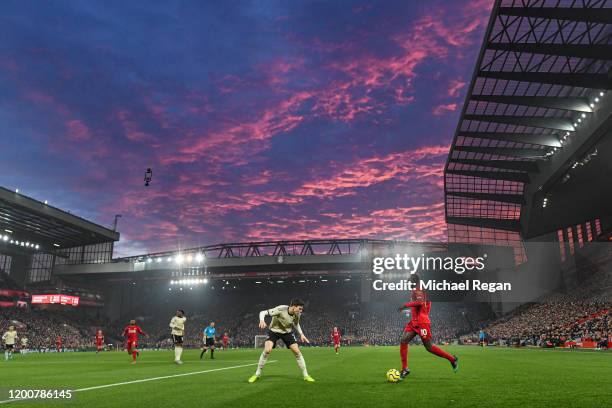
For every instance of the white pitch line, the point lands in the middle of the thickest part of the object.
(97, 387)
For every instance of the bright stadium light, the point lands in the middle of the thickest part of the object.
(601, 94)
(16, 190)
(596, 100)
(583, 115)
(9, 231)
(56, 245)
(169, 259)
(158, 260)
(5, 238)
(179, 259)
(189, 258)
(149, 260)
(37, 246)
(199, 257)
(205, 281)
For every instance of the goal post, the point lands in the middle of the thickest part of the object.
(260, 339)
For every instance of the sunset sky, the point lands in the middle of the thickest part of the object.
(261, 120)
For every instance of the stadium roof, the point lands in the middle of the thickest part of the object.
(35, 221)
(541, 71)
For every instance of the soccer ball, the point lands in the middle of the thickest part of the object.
(393, 375)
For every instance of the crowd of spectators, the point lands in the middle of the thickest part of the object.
(42, 328)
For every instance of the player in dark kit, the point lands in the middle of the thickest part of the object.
(132, 331)
(336, 336)
(99, 341)
(420, 325)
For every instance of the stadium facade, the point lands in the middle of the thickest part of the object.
(530, 157)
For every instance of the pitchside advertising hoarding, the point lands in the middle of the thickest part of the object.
(53, 299)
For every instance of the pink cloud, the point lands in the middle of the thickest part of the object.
(444, 108)
(77, 130)
(131, 128)
(455, 87)
(418, 223)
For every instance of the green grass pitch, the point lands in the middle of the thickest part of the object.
(489, 377)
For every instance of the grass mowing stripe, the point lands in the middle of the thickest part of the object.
(97, 387)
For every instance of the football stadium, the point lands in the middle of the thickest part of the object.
(307, 203)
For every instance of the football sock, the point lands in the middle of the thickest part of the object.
(404, 355)
(302, 364)
(212, 353)
(202, 353)
(134, 355)
(441, 353)
(262, 362)
(6, 355)
(177, 353)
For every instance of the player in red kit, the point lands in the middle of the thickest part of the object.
(336, 336)
(225, 340)
(58, 344)
(420, 325)
(99, 341)
(132, 331)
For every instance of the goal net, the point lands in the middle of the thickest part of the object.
(260, 340)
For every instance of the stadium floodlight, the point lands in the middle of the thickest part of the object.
(37, 246)
(169, 259)
(601, 94)
(575, 124)
(179, 259)
(5, 238)
(596, 100)
(257, 282)
(205, 281)
(149, 260)
(159, 260)
(8, 230)
(16, 190)
(27, 244)
(584, 115)
(199, 257)
(592, 105)
(189, 258)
